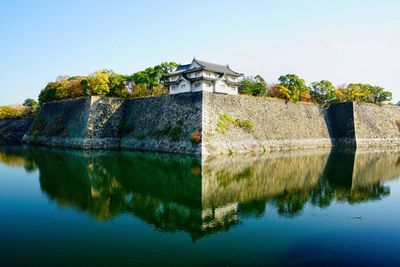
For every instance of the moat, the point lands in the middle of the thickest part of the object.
(110, 208)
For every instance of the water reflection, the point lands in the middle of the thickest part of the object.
(182, 192)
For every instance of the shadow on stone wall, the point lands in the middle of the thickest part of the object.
(202, 197)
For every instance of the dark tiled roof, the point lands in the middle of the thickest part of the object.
(182, 67)
(217, 68)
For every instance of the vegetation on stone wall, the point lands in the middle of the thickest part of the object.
(196, 137)
(291, 87)
(28, 108)
(108, 83)
(172, 131)
(225, 121)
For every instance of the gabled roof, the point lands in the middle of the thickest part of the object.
(182, 67)
(217, 68)
(223, 69)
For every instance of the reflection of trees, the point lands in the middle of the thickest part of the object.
(176, 193)
(14, 156)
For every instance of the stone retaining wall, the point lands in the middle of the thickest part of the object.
(276, 125)
(13, 129)
(377, 125)
(228, 124)
(162, 123)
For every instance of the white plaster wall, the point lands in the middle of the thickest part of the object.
(231, 78)
(179, 88)
(173, 78)
(208, 88)
(224, 88)
(197, 89)
(193, 74)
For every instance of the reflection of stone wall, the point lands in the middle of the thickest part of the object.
(181, 192)
(371, 167)
(241, 179)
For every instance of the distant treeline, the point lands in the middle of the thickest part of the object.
(108, 83)
(28, 108)
(149, 82)
(292, 88)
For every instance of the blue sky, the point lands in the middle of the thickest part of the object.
(342, 41)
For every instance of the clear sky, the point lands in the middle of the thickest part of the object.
(342, 41)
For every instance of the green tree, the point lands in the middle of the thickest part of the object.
(371, 93)
(153, 76)
(255, 86)
(294, 84)
(322, 91)
(48, 93)
(117, 84)
(31, 106)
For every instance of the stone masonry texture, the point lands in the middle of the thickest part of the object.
(227, 124)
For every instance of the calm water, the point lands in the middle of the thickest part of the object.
(68, 208)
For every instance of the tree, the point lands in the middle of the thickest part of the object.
(279, 91)
(376, 94)
(294, 84)
(153, 76)
(98, 83)
(322, 91)
(117, 84)
(255, 86)
(48, 93)
(31, 106)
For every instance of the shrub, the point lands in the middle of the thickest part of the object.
(225, 121)
(196, 137)
(306, 97)
(169, 130)
(247, 125)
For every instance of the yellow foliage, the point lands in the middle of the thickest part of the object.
(12, 111)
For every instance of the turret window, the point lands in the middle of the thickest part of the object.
(197, 85)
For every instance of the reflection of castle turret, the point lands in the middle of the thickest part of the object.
(178, 192)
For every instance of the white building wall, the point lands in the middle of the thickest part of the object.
(208, 86)
(197, 86)
(182, 87)
(223, 88)
(173, 78)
